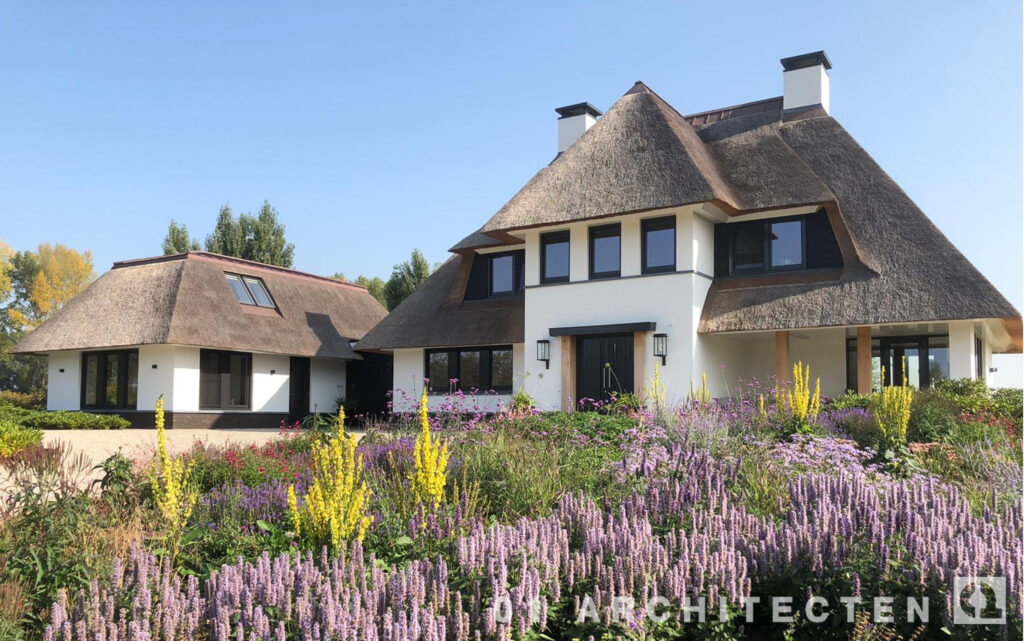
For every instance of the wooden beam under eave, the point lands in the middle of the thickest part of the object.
(783, 362)
(568, 361)
(864, 360)
(639, 364)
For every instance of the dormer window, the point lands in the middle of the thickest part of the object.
(770, 245)
(250, 290)
(497, 275)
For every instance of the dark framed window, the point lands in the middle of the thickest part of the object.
(979, 359)
(110, 380)
(472, 368)
(554, 257)
(777, 244)
(921, 360)
(250, 290)
(658, 245)
(225, 380)
(605, 251)
(502, 275)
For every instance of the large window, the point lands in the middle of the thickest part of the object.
(605, 251)
(250, 290)
(468, 369)
(766, 245)
(110, 380)
(554, 257)
(920, 360)
(658, 245)
(497, 275)
(225, 380)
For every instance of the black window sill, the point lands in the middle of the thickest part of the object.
(605, 275)
(658, 270)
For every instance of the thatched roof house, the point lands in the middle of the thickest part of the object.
(210, 321)
(843, 248)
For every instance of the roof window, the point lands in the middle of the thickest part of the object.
(250, 290)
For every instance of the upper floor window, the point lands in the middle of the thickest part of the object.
(605, 251)
(110, 380)
(496, 275)
(658, 245)
(766, 245)
(554, 257)
(250, 290)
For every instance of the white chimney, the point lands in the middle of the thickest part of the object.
(573, 121)
(805, 81)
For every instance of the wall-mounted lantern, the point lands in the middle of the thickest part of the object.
(544, 352)
(661, 346)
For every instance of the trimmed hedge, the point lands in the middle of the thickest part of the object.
(61, 420)
(14, 437)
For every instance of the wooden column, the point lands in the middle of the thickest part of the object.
(863, 360)
(640, 364)
(568, 360)
(783, 362)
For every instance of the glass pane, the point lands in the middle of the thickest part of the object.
(92, 373)
(938, 364)
(209, 380)
(606, 254)
(259, 292)
(239, 381)
(748, 247)
(437, 371)
(501, 369)
(556, 260)
(469, 370)
(132, 397)
(238, 287)
(110, 381)
(502, 274)
(787, 244)
(661, 248)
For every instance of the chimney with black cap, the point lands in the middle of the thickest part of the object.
(805, 81)
(573, 121)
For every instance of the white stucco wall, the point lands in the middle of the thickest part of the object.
(64, 389)
(270, 375)
(961, 349)
(327, 377)
(408, 383)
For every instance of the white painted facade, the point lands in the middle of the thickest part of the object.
(173, 370)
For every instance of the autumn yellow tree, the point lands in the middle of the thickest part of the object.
(61, 275)
(5, 271)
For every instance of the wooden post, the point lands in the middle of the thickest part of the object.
(639, 364)
(783, 362)
(863, 360)
(568, 359)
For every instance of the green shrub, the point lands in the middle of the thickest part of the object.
(14, 437)
(25, 400)
(933, 418)
(849, 400)
(970, 395)
(604, 429)
(62, 420)
(1009, 403)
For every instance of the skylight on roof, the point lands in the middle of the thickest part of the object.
(250, 290)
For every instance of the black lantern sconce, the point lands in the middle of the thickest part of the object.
(661, 346)
(544, 352)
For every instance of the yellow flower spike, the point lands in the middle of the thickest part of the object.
(173, 492)
(430, 463)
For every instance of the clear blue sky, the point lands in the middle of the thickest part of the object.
(380, 127)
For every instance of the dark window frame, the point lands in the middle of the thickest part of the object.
(657, 224)
(255, 301)
(454, 358)
(222, 405)
(979, 358)
(880, 346)
(517, 286)
(595, 233)
(555, 238)
(766, 260)
(101, 376)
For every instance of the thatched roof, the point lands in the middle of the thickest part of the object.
(436, 316)
(184, 299)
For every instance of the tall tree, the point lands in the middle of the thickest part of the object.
(44, 282)
(405, 279)
(177, 240)
(375, 285)
(259, 238)
(5, 271)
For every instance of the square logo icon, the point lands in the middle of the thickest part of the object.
(979, 600)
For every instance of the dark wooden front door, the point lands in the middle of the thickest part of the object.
(604, 366)
(298, 388)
